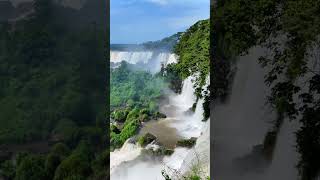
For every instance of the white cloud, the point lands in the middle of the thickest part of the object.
(178, 2)
(158, 2)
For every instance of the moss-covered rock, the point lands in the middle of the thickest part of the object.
(187, 142)
(159, 115)
(146, 139)
(168, 152)
(159, 151)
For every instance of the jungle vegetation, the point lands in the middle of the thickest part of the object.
(290, 31)
(52, 93)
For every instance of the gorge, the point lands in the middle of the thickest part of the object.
(184, 120)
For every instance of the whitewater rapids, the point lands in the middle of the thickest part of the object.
(130, 163)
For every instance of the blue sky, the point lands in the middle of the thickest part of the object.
(137, 21)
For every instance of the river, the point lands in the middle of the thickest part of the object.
(130, 162)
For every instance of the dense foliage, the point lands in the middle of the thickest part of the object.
(47, 75)
(194, 60)
(134, 88)
(134, 99)
(51, 91)
(290, 31)
(193, 52)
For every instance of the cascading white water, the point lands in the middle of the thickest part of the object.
(187, 125)
(128, 152)
(170, 58)
(149, 60)
(130, 57)
(199, 156)
(187, 97)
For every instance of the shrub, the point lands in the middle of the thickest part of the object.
(133, 115)
(77, 165)
(8, 170)
(57, 154)
(101, 165)
(114, 129)
(187, 142)
(146, 139)
(129, 130)
(60, 149)
(31, 168)
(120, 115)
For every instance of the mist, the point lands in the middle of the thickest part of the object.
(240, 127)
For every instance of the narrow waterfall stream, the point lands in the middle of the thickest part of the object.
(130, 162)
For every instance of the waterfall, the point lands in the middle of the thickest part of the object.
(130, 57)
(130, 163)
(148, 60)
(134, 165)
(188, 126)
(199, 156)
(172, 59)
(242, 123)
(187, 97)
(128, 152)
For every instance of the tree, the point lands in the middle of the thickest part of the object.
(31, 168)
(77, 165)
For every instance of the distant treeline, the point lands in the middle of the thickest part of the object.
(167, 44)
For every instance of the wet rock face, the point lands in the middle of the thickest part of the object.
(189, 143)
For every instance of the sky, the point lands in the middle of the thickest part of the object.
(137, 21)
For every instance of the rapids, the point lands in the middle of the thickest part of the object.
(130, 162)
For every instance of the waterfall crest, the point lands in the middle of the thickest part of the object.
(130, 57)
(128, 152)
(148, 60)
